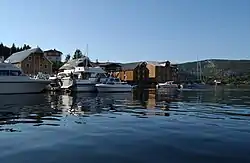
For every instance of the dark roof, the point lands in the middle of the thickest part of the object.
(130, 66)
(53, 50)
(20, 56)
(103, 64)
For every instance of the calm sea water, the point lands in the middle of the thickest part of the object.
(144, 126)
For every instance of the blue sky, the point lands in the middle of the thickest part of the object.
(131, 30)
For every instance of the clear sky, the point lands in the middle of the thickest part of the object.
(131, 30)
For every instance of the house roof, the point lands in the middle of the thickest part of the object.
(53, 50)
(71, 64)
(156, 63)
(20, 56)
(103, 64)
(130, 66)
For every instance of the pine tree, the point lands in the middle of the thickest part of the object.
(67, 58)
(77, 54)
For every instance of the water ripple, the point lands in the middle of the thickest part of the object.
(142, 126)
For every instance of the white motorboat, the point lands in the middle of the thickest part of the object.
(83, 79)
(13, 80)
(113, 85)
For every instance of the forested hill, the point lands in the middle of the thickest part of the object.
(7, 51)
(218, 68)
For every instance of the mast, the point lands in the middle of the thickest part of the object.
(197, 68)
(200, 70)
(87, 50)
(86, 58)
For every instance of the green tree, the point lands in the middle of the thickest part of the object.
(67, 58)
(56, 66)
(13, 49)
(77, 54)
(26, 47)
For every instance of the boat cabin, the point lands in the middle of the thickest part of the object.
(7, 69)
(89, 73)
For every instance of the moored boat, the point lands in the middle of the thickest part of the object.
(84, 79)
(114, 85)
(13, 80)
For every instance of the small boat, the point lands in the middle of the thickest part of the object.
(13, 80)
(114, 85)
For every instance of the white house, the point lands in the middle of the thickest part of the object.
(53, 55)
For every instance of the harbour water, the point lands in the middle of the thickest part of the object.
(143, 126)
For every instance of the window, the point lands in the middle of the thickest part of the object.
(45, 66)
(42, 58)
(30, 58)
(4, 72)
(15, 73)
(41, 65)
(27, 65)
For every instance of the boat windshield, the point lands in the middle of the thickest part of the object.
(116, 80)
(111, 81)
(11, 73)
(85, 75)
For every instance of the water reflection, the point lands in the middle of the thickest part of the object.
(48, 109)
(26, 109)
(141, 126)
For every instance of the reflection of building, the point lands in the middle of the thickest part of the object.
(53, 55)
(151, 100)
(31, 61)
(141, 95)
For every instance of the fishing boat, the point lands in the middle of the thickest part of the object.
(13, 80)
(114, 85)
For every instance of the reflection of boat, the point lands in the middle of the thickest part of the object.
(116, 95)
(12, 80)
(114, 85)
(166, 85)
(196, 86)
(24, 100)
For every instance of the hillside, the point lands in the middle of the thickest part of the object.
(217, 69)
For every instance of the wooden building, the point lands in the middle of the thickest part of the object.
(31, 61)
(149, 72)
(135, 72)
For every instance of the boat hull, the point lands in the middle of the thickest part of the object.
(113, 88)
(33, 86)
(83, 87)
